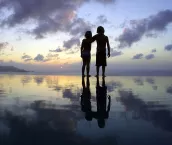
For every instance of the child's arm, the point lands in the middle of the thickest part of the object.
(82, 47)
(93, 38)
(108, 46)
(109, 104)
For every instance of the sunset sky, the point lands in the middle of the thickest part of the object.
(45, 35)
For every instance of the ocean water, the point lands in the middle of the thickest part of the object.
(63, 110)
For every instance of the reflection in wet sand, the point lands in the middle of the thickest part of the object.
(169, 89)
(147, 110)
(57, 109)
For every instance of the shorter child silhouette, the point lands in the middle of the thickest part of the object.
(85, 52)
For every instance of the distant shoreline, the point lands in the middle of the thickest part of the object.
(72, 74)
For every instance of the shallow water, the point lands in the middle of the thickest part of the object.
(37, 109)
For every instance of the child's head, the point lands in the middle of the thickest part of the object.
(100, 30)
(88, 34)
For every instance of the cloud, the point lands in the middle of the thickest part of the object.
(48, 17)
(116, 53)
(49, 57)
(151, 35)
(139, 28)
(3, 45)
(52, 56)
(168, 47)
(72, 51)
(25, 56)
(154, 50)
(150, 56)
(138, 56)
(56, 50)
(39, 58)
(71, 42)
(102, 19)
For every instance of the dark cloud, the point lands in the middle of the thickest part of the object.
(116, 53)
(139, 28)
(49, 57)
(52, 56)
(56, 50)
(102, 19)
(154, 50)
(138, 56)
(151, 35)
(48, 16)
(168, 47)
(72, 51)
(72, 42)
(3, 45)
(150, 56)
(26, 57)
(39, 58)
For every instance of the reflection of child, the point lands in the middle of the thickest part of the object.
(85, 52)
(103, 109)
(86, 100)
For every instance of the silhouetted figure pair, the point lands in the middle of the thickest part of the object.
(103, 108)
(102, 42)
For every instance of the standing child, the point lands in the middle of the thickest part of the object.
(102, 42)
(85, 53)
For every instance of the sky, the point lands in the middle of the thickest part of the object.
(45, 35)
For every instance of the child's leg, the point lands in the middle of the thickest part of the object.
(83, 67)
(97, 70)
(88, 67)
(103, 71)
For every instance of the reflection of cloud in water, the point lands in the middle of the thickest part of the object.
(111, 86)
(4, 129)
(57, 88)
(150, 81)
(155, 88)
(158, 114)
(169, 89)
(67, 93)
(26, 80)
(51, 81)
(138, 81)
(2, 91)
(39, 124)
(39, 79)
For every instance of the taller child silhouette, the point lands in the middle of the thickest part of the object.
(102, 42)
